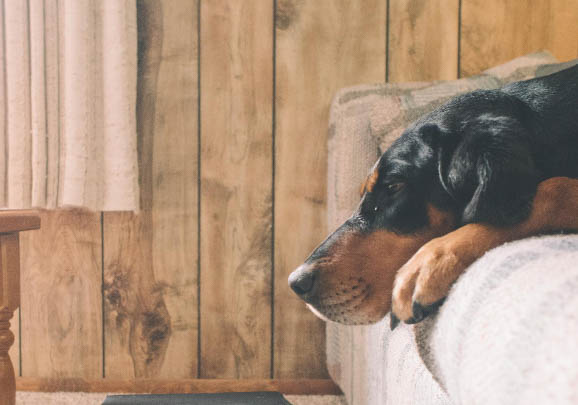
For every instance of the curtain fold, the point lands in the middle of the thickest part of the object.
(68, 71)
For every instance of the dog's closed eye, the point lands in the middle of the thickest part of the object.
(394, 188)
(391, 190)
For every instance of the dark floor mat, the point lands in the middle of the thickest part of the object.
(230, 398)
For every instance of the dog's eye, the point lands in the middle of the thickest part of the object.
(394, 187)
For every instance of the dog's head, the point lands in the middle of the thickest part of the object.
(349, 277)
(467, 161)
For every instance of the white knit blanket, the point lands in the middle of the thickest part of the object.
(508, 333)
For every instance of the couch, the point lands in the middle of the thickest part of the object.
(508, 332)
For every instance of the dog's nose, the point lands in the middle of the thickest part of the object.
(302, 281)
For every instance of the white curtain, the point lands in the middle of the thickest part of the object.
(68, 73)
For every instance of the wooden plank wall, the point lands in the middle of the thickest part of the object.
(310, 69)
(150, 259)
(236, 188)
(233, 101)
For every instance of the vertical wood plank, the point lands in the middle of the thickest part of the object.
(61, 304)
(150, 258)
(236, 187)
(496, 31)
(322, 45)
(175, 184)
(423, 40)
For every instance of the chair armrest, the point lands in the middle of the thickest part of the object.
(16, 221)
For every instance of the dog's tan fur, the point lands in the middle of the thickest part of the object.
(357, 276)
(370, 182)
(428, 275)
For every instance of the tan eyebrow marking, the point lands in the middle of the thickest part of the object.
(370, 182)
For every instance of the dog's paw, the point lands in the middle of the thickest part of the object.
(423, 282)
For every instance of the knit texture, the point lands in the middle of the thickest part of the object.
(508, 332)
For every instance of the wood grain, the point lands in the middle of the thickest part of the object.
(321, 47)
(14, 351)
(150, 272)
(423, 40)
(496, 31)
(174, 179)
(9, 301)
(61, 307)
(179, 386)
(15, 221)
(236, 188)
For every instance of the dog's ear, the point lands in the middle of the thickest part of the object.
(442, 144)
(496, 171)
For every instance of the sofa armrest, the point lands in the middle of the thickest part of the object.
(507, 331)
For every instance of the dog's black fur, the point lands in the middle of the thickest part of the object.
(480, 156)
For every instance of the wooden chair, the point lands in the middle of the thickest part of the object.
(11, 223)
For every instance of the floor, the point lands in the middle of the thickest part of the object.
(75, 398)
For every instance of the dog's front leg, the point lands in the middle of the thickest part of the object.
(424, 281)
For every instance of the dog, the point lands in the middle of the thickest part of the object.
(485, 168)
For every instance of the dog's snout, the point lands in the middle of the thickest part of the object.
(302, 281)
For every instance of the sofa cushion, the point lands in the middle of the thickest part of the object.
(372, 365)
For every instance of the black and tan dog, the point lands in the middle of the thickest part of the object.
(487, 167)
